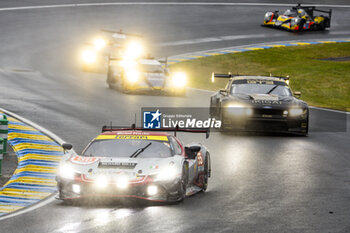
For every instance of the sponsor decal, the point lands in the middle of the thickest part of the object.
(118, 164)
(267, 102)
(264, 97)
(152, 120)
(83, 159)
(132, 137)
(181, 117)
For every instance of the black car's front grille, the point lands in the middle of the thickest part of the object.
(267, 113)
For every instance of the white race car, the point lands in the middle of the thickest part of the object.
(126, 162)
(146, 74)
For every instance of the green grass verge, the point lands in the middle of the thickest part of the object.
(322, 83)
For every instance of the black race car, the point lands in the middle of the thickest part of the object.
(259, 103)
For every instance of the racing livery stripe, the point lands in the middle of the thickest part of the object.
(34, 178)
(133, 137)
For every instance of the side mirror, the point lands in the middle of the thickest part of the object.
(192, 151)
(223, 91)
(297, 94)
(67, 146)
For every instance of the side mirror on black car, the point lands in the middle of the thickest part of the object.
(297, 94)
(191, 152)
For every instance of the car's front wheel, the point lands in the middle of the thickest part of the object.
(307, 124)
(206, 174)
(182, 185)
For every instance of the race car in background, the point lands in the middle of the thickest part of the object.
(94, 57)
(259, 103)
(145, 74)
(146, 164)
(299, 18)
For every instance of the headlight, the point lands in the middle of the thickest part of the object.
(239, 110)
(128, 64)
(122, 182)
(179, 79)
(99, 43)
(132, 76)
(88, 56)
(101, 182)
(133, 50)
(295, 112)
(76, 188)
(167, 174)
(66, 171)
(152, 190)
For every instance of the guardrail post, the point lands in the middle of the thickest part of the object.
(3, 138)
(4, 131)
(1, 153)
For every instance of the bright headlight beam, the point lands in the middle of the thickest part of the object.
(99, 43)
(101, 181)
(133, 50)
(128, 64)
(122, 182)
(88, 56)
(239, 110)
(167, 174)
(152, 190)
(132, 76)
(76, 188)
(295, 112)
(179, 79)
(66, 171)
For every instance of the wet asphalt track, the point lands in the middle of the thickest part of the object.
(260, 183)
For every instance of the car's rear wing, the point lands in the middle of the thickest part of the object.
(229, 76)
(216, 75)
(107, 128)
(311, 9)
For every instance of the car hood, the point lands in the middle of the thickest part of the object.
(263, 99)
(131, 167)
(155, 79)
(283, 18)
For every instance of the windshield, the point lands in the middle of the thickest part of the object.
(152, 68)
(291, 13)
(128, 147)
(260, 87)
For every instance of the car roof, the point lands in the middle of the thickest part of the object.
(135, 132)
(258, 77)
